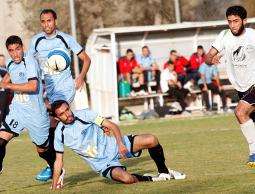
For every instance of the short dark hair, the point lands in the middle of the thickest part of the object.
(170, 62)
(145, 46)
(129, 51)
(56, 104)
(46, 11)
(13, 40)
(237, 10)
(172, 51)
(200, 47)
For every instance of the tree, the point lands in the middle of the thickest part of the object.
(101, 13)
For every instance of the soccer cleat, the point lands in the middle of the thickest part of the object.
(161, 177)
(60, 183)
(176, 175)
(45, 174)
(167, 176)
(251, 162)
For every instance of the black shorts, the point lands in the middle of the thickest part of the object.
(248, 96)
(4, 97)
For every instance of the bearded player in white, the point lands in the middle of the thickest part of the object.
(238, 44)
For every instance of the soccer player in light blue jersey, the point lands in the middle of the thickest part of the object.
(27, 109)
(59, 85)
(83, 132)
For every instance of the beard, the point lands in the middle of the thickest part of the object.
(67, 121)
(239, 32)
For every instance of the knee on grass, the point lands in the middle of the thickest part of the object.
(129, 179)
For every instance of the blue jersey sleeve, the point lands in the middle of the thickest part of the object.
(92, 117)
(75, 46)
(152, 60)
(202, 69)
(31, 67)
(58, 144)
(214, 70)
(32, 50)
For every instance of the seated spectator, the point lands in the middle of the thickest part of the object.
(150, 68)
(180, 63)
(170, 84)
(129, 70)
(208, 74)
(195, 61)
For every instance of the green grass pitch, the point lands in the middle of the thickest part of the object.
(210, 150)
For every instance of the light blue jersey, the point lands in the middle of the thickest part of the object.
(27, 109)
(59, 85)
(86, 137)
(210, 71)
(146, 62)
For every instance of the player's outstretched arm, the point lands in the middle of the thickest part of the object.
(117, 134)
(58, 165)
(6, 78)
(211, 57)
(30, 86)
(79, 82)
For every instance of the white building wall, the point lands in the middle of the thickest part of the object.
(12, 23)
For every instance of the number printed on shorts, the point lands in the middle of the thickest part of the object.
(14, 123)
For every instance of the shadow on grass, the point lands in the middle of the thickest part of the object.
(89, 177)
(17, 190)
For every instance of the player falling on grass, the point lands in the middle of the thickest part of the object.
(59, 85)
(82, 132)
(238, 44)
(27, 109)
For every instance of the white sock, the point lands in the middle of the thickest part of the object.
(248, 129)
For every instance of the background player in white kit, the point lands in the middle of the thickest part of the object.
(238, 44)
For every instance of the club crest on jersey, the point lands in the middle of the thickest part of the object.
(21, 75)
(249, 48)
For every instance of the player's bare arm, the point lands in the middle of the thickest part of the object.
(6, 78)
(79, 82)
(204, 82)
(30, 86)
(117, 134)
(58, 165)
(211, 57)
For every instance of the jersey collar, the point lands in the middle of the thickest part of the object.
(51, 37)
